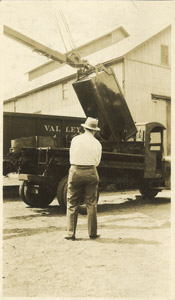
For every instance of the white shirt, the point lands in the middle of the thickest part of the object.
(85, 150)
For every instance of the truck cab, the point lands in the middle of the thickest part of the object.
(152, 136)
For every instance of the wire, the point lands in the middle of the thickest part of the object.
(59, 28)
(133, 2)
(66, 33)
(68, 30)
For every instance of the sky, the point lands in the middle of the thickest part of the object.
(86, 20)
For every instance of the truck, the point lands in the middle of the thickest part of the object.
(132, 155)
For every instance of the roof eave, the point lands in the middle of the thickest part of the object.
(53, 83)
(82, 46)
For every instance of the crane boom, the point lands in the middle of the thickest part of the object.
(71, 59)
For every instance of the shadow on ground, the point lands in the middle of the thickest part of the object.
(114, 208)
(55, 210)
(137, 202)
(131, 241)
(22, 232)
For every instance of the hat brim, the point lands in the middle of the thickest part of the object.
(95, 129)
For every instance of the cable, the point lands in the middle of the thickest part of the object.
(68, 30)
(64, 29)
(57, 22)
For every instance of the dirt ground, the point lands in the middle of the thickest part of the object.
(131, 259)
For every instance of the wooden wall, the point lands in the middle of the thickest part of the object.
(146, 75)
(48, 101)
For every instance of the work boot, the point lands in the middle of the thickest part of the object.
(93, 237)
(72, 238)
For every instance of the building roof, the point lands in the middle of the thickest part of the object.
(121, 49)
(121, 34)
(112, 53)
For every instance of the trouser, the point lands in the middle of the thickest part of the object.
(82, 187)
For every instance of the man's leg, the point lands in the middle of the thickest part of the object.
(72, 211)
(91, 204)
(73, 195)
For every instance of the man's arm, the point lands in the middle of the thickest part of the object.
(99, 153)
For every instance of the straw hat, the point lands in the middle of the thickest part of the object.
(91, 124)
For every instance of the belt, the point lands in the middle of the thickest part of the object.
(83, 166)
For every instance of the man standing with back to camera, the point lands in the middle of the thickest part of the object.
(83, 179)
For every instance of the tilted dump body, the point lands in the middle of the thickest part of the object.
(101, 97)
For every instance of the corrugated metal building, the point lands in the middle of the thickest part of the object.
(143, 69)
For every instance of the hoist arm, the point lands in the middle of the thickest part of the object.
(71, 59)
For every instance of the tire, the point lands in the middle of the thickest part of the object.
(21, 191)
(40, 200)
(62, 193)
(147, 193)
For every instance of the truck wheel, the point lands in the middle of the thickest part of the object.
(148, 193)
(62, 193)
(42, 199)
(21, 191)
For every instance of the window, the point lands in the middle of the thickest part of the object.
(160, 97)
(164, 55)
(155, 141)
(65, 91)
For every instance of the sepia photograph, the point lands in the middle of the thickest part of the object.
(88, 184)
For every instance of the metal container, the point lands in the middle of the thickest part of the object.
(101, 97)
